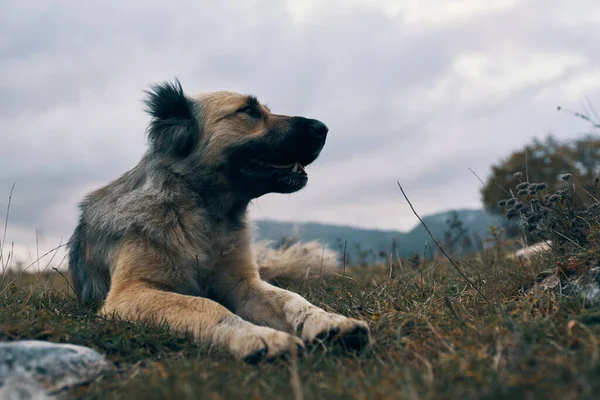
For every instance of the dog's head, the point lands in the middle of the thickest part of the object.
(253, 150)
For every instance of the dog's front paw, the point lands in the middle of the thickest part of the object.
(264, 344)
(332, 328)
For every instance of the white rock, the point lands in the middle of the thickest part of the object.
(51, 366)
(588, 286)
(20, 388)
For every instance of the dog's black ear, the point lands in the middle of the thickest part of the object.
(175, 125)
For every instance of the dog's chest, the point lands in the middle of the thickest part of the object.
(223, 242)
(220, 244)
(214, 244)
(215, 240)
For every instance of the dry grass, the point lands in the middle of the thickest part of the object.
(435, 338)
(443, 328)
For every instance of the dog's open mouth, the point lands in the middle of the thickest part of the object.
(295, 167)
(279, 176)
(260, 169)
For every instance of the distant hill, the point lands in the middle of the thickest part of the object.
(359, 239)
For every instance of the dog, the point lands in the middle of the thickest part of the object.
(169, 241)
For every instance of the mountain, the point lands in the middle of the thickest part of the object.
(359, 240)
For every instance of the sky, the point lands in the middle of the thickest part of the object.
(415, 91)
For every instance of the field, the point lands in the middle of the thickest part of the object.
(436, 336)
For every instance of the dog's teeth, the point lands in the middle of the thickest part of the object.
(295, 168)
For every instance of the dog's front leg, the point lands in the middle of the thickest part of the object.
(139, 292)
(262, 303)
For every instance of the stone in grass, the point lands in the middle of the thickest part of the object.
(20, 388)
(32, 369)
(582, 282)
(587, 285)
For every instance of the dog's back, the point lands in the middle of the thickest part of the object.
(100, 227)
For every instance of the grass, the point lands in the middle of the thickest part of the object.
(435, 337)
(442, 328)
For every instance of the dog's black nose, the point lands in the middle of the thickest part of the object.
(318, 128)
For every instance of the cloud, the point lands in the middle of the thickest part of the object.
(413, 91)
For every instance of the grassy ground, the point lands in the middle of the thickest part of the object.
(435, 337)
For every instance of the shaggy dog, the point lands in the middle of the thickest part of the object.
(169, 240)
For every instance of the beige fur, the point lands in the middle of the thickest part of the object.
(169, 241)
(301, 260)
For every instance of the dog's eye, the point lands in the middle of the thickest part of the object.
(253, 112)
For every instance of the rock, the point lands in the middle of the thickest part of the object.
(549, 283)
(31, 369)
(21, 388)
(573, 278)
(588, 286)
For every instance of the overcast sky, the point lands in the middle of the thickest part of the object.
(415, 91)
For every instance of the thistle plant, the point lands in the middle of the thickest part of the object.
(562, 217)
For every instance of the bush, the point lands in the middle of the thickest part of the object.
(566, 218)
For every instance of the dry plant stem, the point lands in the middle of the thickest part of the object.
(428, 365)
(399, 259)
(495, 183)
(566, 238)
(55, 270)
(441, 248)
(321, 268)
(6, 228)
(295, 376)
(30, 265)
(462, 323)
(423, 266)
(66, 280)
(474, 269)
(582, 116)
(477, 176)
(345, 243)
(526, 165)
(589, 194)
(37, 248)
(44, 270)
(51, 258)
(593, 111)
